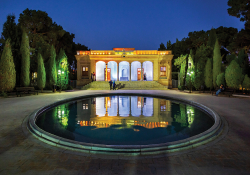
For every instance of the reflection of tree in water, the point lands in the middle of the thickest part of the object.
(58, 121)
(179, 114)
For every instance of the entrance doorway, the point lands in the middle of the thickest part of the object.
(139, 74)
(108, 74)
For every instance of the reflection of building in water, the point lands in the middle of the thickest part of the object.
(143, 111)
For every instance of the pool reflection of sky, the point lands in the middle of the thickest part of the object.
(125, 120)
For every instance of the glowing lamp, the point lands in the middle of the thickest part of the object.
(62, 72)
(59, 71)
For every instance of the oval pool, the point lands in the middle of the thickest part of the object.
(125, 123)
(125, 120)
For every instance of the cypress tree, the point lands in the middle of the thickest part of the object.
(63, 77)
(208, 74)
(25, 61)
(183, 72)
(52, 67)
(220, 79)
(243, 61)
(41, 74)
(246, 83)
(7, 69)
(233, 75)
(190, 71)
(216, 62)
(201, 56)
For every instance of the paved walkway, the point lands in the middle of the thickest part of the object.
(21, 153)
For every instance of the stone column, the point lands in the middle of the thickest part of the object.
(141, 72)
(129, 71)
(117, 71)
(106, 71)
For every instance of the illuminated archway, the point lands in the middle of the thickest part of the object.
(135, 109)
(124, 71)
(148, 69)
(100, 67)
(148, 109)
(113, 66)
(134, 67)
(124, 106)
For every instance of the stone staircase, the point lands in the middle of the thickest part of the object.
(96, 85)
(129, 85)
(141, 85)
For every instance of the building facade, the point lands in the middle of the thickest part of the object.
(124, 64)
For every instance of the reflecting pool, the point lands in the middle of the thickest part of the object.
(124, 120)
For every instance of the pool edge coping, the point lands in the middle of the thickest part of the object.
(130, 150)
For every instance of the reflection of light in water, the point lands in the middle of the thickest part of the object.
(112, 111)
(135, 111)
(123, 123)
(148, 106)
(100, 107)
(108, 106)
(190, 115)
(124, 107)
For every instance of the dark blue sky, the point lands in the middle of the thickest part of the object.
(141, 24)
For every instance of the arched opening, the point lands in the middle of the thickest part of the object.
(148, 70)
(148, 106)
(112, 65)
(135, 71)
(135, 109)
(100, 70)
(124, 71)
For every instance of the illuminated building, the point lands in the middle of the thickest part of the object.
(103, 112)
(125, 64)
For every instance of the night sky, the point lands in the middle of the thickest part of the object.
(140, 24)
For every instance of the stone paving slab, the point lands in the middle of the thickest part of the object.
(21, 153)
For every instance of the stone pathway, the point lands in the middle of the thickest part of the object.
(21, 153)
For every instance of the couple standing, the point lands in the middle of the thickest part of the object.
(112, 83)
(93, 76)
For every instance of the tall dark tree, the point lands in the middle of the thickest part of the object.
(208, 74)
(41, 74)
(7, 69)
(162, 47)
(240, 9)
(243, 61)
(216, 62)
(169, 45)
(13, 32)
(63, 72)
(200, 58)
(52, 67)
(233, 75)
(25, 63)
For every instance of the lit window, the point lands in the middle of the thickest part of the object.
(163, 105)
(163, 71)
(85, 71)
(85, 106)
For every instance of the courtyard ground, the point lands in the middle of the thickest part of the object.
(22, 153)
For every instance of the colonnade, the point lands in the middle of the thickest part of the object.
(124, 70)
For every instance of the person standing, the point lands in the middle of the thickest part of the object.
(144, 77)
(94, 76)
(110, 84)
(114, 85)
